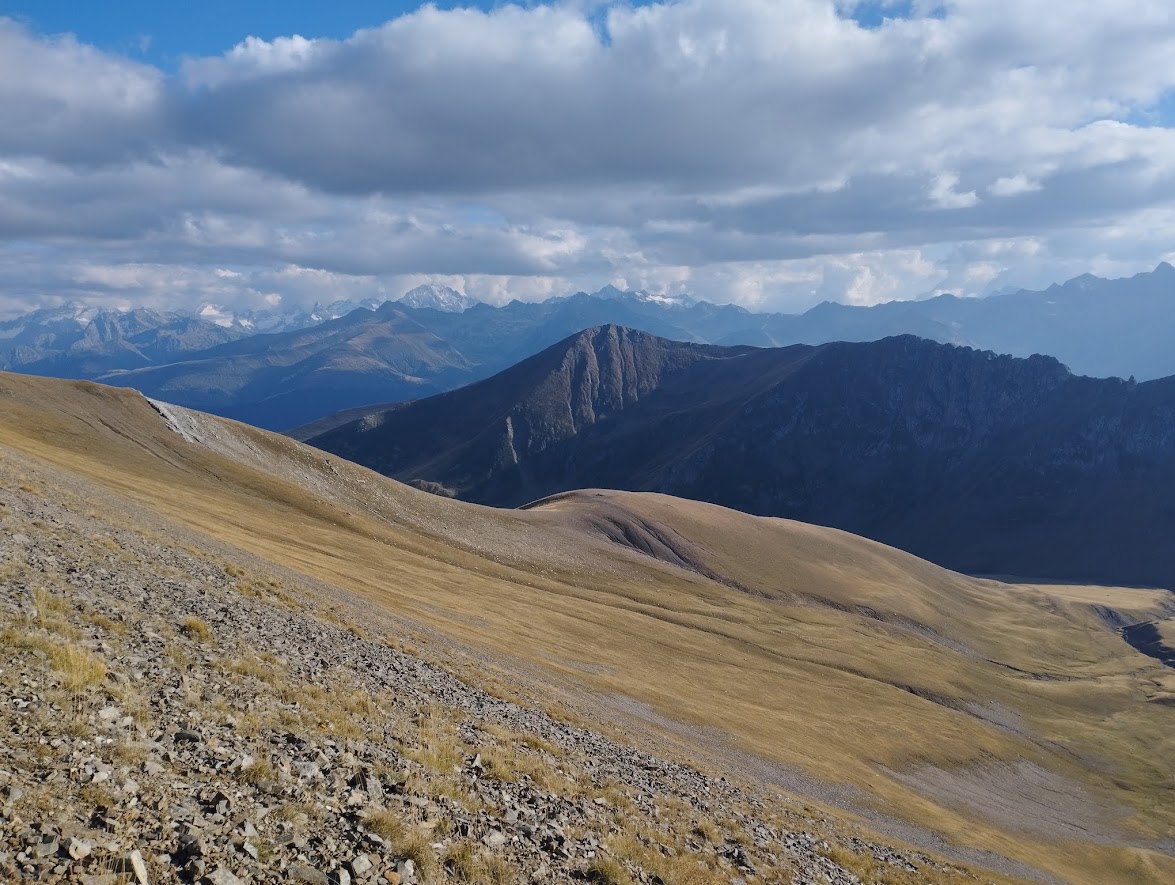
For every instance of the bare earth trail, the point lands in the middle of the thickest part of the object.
(1007, 726)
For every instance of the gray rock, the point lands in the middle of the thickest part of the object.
(79, 849)
(361, 865)
(299, 872)
(494, 839)
(222, 876)
(99, 879)
(139, 867)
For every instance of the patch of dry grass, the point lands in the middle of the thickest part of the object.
(416, 846)
(387, 824)
(261, 771)
(467, 863)
(607, 871)
(194, 628)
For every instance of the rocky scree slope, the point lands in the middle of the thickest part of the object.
(985, 464)
(169, 713)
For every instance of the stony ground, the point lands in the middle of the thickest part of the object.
(171, 714)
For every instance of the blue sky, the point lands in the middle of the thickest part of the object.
(163, 32)
(773, 153)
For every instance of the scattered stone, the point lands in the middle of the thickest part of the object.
(222, 876)
(79, 849)
(299, 872)
(99, 879)
(494, 839)
(139, 867)
(361, 865)
(213, 802)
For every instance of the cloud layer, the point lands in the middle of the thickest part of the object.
(770, 152)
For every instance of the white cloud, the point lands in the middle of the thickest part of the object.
(1013, 185)
(770, 152)
(944, 195)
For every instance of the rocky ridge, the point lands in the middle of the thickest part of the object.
(982, 463)
(171, 714)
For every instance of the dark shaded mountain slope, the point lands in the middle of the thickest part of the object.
(985, 463)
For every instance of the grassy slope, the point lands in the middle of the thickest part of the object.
(813, 648)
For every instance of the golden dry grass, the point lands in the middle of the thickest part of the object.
(79, 668)
(851, 661)
(194, 628)
(608, 871)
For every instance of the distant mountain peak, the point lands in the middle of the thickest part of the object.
(437, 297)
(322, 313)
(612, 293)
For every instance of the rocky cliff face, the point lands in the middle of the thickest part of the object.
(985, 463)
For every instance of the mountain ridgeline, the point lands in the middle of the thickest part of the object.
(309, 364)
(984, 463)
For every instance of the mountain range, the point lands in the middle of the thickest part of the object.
(984, 463)
(1097, 327)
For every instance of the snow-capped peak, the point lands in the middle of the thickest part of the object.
(438, 298)
(612, 293)
(341, 308)
(217, 315)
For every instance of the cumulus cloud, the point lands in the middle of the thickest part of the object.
(1012, 185)
(770, 152)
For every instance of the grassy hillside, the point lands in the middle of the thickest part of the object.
(989, 720)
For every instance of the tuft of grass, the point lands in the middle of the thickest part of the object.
(416, 847)
(499, 872)
(464, 863)
(499, 765)
(78, 667)
(387, 824)
(194, 628)
(707, 831)
(536, 743)
(107, 623)
(259, 771)
(129, 752)
(608, 871)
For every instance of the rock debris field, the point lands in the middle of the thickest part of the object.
(169, 715)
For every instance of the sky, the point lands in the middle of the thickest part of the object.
(771, 153)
